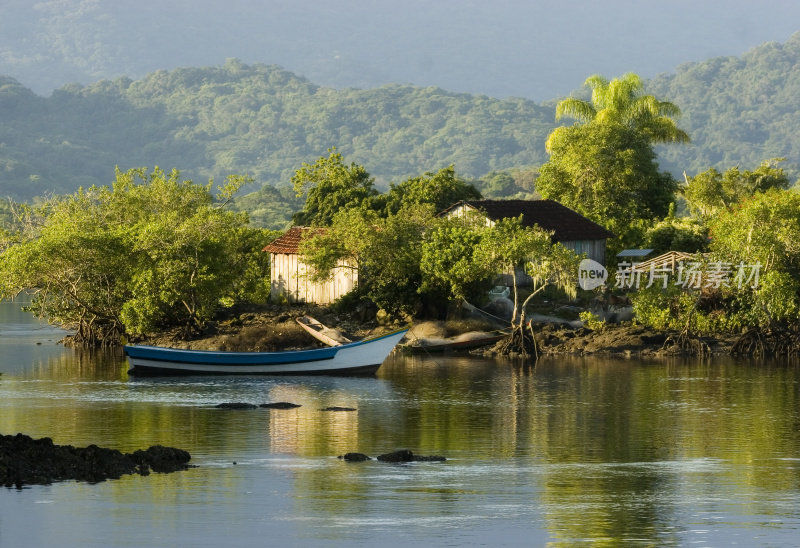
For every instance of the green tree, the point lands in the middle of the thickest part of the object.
(704, 193)
(604, 166)
(676, 234)
(270, 207)
(329, 186)
(448, 258)
(499, 184)
(621, 101)
(441, 189)
(386, 251)
(463, 254)
(508, 245)
(763, 230)
(150, 252)
(608, 172)
(751, 279)
(709, 192)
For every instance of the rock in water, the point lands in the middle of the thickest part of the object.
(354, 457)
(25, 461)
(336, 408)
(236, 405)
(430, 458)
(279, 405)
(403, 455)
(162, 459)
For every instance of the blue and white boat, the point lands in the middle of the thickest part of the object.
(356, 358)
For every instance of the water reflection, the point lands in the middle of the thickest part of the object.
(574, 450)
(24, 340)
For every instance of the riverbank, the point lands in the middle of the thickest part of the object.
(271, 328)
(623, 340)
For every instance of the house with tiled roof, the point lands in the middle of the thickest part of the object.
(571, 229)
(289, 275)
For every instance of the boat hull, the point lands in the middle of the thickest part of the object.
(358, 358)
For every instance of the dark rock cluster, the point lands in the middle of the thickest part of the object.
(337, 408)
(279, 405)
(25, 461)
(236, 405)
(242, 405)
(403, 455)
(355, 457)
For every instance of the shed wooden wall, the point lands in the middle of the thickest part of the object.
(289, 280)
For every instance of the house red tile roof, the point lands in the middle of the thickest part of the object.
(566, 224)
(289, 243)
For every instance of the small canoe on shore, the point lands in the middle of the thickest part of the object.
(322, 333)
(465, 341)
(357, 358)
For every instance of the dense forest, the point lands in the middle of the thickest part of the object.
(259, 120)
(265, 122)
(737, 110)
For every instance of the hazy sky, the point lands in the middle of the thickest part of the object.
(535, 49)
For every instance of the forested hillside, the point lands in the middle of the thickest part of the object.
(265, 122)
(260, 120)
(737, 110)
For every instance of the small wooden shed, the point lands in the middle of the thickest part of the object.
(289, 276)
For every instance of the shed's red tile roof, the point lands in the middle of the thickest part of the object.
(566, 224)
(289, 243)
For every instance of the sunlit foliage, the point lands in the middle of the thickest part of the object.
(149, 252)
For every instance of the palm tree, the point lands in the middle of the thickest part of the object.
(621, 101)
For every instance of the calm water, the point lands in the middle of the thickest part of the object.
(572, 452)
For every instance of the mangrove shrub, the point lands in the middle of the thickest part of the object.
(149, 252)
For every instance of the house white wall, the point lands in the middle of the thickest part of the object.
(462, 210)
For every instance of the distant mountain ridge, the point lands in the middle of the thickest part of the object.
(737, 110)
(254, 119)
(265, 121)
(511, 48)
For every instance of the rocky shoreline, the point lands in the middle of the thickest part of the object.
(28, 461)
(273, 328)
(620, 340)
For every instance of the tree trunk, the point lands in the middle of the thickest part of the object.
(521, 341)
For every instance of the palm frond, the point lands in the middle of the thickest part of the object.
(621, 100)
(596, 81)
(579, 109)
(662, 129)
